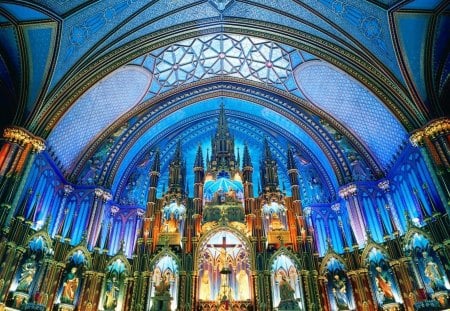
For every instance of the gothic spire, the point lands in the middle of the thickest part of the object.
(156, 166)
(267, 153)
(199, 157)
(177, 156)
(269, 170)
(290, 159)
(247, 161)
(222, 126)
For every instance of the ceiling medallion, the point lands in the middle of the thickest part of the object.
(221, 5)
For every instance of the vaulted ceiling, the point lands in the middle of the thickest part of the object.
(106, 83)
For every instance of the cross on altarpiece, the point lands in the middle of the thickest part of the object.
(224, 246)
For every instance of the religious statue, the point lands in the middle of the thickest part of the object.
(340, 293)
(27, 275)
(432, 272)
(384, 286)
(205, 287)
(243, 285)
(171, 224)
(70, 286)
(163, 287)
(161, 299)
(275, 222)
(286, 291)
(111, 293)
(231, 194)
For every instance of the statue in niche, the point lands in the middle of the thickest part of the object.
(70, 286)
(171, 224)
(205, 287)
(162, 289)
(384, 286)
(286, 291)
(275, 222)
(243, 285)
(27, 275)
(433, 273)
(111, 293)
(339, 289)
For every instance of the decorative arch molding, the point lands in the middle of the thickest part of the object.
(153, 110)
(411, 232)
(84, 251)
(297, 143)
(368, 249)
(125, 261)
(330, 255)
(288, 253)
(166, 251)
(240, 235)
(166, 105)
(385, 87)
(43, 233)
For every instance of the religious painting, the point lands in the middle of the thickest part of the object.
(224, 270)
(164, 284)
(114, 287)
(340, 291)
(286, 284)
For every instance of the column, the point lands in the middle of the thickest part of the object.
(16, 159)
(68, 189)
(349, 194)
(323, 290)
(433, 142)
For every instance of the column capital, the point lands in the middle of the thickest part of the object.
(437, 127)
(114, 209)
(348, 190)
(68, 189)
(336, 207)
(98, 192)
(417, 137)
(432, 129)
(22, 137)
(106, 196)
(384, 185)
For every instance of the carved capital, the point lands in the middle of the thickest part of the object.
(348, 190)
(22, 137)
(437, 128)
(384, 185)
(416, 138)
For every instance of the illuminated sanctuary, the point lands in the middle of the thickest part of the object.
(224, 155)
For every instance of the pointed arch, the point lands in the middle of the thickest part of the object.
(329, 256)
(240, 235)
(368, 249)
(86, 253)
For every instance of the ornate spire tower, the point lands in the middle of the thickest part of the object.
(222, 148)
(177, 174)
(269, 170)
(199, 176)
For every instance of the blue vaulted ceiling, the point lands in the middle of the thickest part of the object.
(100, 80)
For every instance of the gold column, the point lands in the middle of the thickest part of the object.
(433, 142)
(16, 165)
(92, 288)
(323, 290)
(13, 257)
(49, 284)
